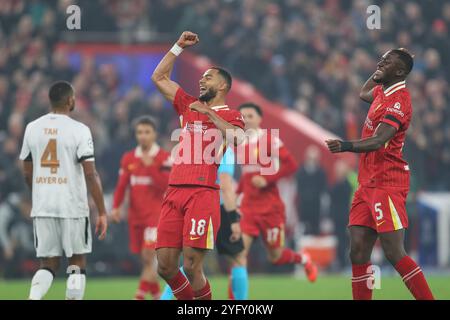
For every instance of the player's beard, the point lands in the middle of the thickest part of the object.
(208, 95)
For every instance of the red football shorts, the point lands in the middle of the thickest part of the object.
(382, 209)
(190, 217)
(142, 236)
(266, 221)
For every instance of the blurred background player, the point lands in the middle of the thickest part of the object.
(145, 171)
(190, 216)
(261, 206)
(56, 152)
(379, 205)
(229, 238)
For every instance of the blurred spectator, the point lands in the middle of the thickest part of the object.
(311, 186)
(340, 195)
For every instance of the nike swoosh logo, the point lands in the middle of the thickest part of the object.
(379, 224)
(194, 238)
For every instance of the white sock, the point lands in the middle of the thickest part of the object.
(41, 282)
(76, 283)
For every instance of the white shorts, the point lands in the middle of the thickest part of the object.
(53, 235)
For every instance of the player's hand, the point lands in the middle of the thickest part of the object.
(188, 39)
(259, 181)
(199, 107)
(115, 215)
(236, 232)
(334, 146)
(101, 226)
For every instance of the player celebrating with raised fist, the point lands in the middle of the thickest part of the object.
(145, 171)
(379, 205)
(190, 215)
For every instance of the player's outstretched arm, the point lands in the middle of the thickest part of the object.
(161, 74)
(95, 188)
(383, 134)
(366, 93)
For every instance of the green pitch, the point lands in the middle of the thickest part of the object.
(261, 287)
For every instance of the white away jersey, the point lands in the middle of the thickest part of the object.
(57, 145)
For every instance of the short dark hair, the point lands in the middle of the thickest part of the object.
(251, 106)
(147, 120)
(406, 58)
(59, 91)
(226, 75)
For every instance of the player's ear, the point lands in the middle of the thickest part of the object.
(223, 86)
(400, 72)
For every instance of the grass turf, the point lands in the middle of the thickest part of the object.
(261, 287)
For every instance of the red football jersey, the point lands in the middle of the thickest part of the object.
(253, 164)
(199, 166)
(147, 184)
(386, 166)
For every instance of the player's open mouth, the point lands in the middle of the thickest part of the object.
(202, 89)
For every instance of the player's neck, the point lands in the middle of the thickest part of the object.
(62, 111)
(391, 83)
(216, 101)
(146, 148)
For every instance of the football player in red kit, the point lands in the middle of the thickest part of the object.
(145, 172)
(190, 215)
(379, 205)
(261, 207)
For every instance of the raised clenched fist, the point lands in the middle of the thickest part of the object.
(187, 39)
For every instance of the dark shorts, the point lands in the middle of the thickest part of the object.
(223, 243)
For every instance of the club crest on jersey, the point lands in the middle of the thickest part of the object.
(397, 105)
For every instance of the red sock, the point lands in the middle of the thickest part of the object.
(288, 256)
(360, 288)
(204, 293)
(144, 287)
(181, 287)
(155, 290)
(414, 279)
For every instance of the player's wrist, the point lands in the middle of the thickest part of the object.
(177, 49)
(346, 146)
(234, 216)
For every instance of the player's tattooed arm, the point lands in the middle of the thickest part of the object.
(366, 93)
(161, 74)
(95, 188)
(28, 173)
(383, 134)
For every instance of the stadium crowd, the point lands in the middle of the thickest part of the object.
(310, 56)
